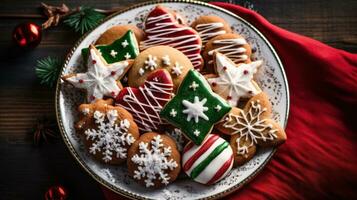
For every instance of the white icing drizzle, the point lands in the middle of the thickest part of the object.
(109, 139)
(209, 30)
(149, 108)
(158, 35)
(251, 127)
(232, 48)
(153, 163)
(196, 109)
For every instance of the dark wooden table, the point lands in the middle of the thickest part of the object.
(27, 171)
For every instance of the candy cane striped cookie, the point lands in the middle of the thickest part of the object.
(209, 162)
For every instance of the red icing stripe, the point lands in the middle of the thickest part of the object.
(198, 153)
(221, 171)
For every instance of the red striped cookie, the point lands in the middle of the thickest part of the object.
(209, 162)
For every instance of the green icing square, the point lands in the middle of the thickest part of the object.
(132, 49)
(187, 92)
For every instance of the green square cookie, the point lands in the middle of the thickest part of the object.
(123, 48)
(195, 108)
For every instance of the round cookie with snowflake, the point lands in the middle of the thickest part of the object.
(159, 57)
(153, 160)
(108, 131)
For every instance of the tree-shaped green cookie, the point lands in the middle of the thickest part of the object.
(123, 48)
(195, 108)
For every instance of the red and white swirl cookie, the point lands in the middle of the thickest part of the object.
(162, 28)
(209, 162)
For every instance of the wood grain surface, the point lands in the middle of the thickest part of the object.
(27, 171)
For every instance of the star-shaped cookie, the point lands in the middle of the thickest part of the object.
(101, 79)
(195, 108)
(234, 82)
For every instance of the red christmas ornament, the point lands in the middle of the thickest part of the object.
(27, 35)
(57, 192)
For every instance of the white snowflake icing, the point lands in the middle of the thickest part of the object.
(125, 43)
(218, 107)
(173, 113)
(150, 63)
(177, 69)
(196, 132)
(109, 137)
(166, 60)
(113, 53)
(127, 55)
(153, 162)
(141, 71)
(196, 109)
(194, 85)
(251, 127)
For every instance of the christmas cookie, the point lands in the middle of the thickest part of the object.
(231, 45)
(209, 27)
(124, 48)
(116, 32)
(146, 102)
(209, 162)
(234, 82)
(162, 28)
(108, 131)
(101, 79)
(177, 135)
(195, 108)
(153, 160)
(251, 127)
(159, 57)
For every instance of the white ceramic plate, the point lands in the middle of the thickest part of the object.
(271, 78)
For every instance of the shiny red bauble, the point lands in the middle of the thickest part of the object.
(57, 192)
(27, 35)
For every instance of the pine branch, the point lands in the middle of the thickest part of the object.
(47, 70)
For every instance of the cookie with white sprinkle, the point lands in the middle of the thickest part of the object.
(159, 57)
(153, 160)
(108, 131)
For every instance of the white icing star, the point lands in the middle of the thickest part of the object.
(101, 78)
(177, 69)
(125, 43)
(234, 82)
(196, 132)
(173, 113)
(141, 71)
(194, 85)
(218, 107)
(127, 56)
(150, 63)
(195, 109)
(113, 53)
(166, 60)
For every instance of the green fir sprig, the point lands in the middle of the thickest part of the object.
(84, 20)
(47, 70)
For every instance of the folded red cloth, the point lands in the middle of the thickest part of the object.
(319, 158)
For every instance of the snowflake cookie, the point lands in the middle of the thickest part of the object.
(101, 79)
(153, 160)
(195, 108)
(146, 102)
(108, 131)
(123, 48)
(234, 82)
(209, 162)
(251, 127)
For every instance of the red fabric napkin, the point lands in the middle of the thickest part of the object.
(319, 158)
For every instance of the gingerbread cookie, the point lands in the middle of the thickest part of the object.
(234, 82)
(231, 45)
(159, 57)
(209, 27)
(153, 160)
(108, 131)
(124, 48)
(101, 79)
(252, 127)
(162, 28)
(146, 102)
(195, 108)
(209, 162)
(116, 32)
